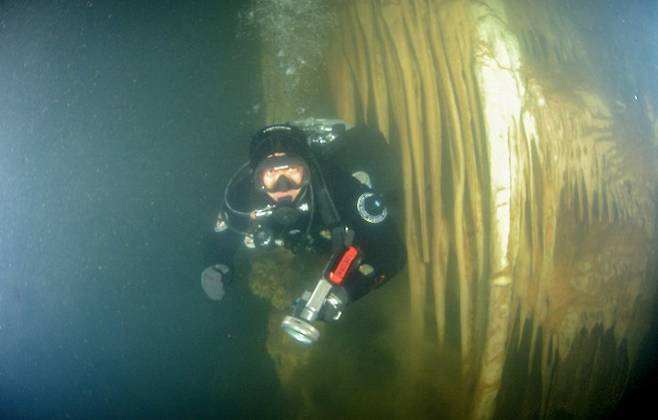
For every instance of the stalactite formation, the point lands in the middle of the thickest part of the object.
(529, 204)
(421, 90)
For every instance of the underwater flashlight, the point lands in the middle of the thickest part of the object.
(327, 299)
(298, 325)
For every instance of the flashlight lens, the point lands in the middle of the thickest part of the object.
(300, 330)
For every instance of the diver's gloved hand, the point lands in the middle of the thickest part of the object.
(213, 279)
(334, 304)
(331, 309)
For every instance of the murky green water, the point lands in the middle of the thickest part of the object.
(119, 124)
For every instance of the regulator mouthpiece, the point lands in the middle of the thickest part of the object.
(300, 330)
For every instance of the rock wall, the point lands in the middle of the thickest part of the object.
(529, 198)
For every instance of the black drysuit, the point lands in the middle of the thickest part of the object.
(359, 208)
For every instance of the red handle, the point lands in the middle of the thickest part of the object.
(342, 268)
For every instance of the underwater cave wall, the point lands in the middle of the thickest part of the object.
(528, 187)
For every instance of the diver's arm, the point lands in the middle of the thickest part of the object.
(381, 260)
(220, 246)
(382, 251)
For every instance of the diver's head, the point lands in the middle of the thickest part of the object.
(278, 156)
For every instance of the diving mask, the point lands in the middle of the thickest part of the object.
(281, 173)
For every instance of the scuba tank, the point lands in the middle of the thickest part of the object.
(357, 150)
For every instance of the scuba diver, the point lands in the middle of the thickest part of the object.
(293, 192)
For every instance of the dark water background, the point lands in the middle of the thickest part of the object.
(119, 123)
